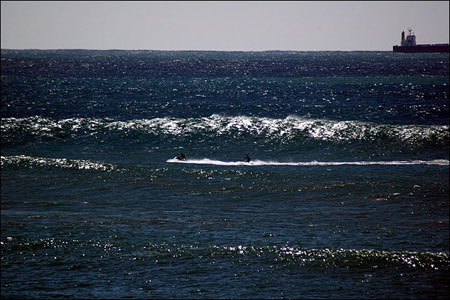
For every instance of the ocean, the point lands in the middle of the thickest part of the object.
(346, 194)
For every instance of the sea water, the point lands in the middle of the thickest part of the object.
(346, 194)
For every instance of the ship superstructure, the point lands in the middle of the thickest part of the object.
(410, 39)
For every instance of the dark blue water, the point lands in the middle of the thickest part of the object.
(346, 195)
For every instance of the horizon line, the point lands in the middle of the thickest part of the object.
(184, 50)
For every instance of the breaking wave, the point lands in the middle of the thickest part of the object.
(289, 129)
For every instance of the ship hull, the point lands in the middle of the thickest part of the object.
(427, 48)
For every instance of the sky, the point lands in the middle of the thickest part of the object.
(221, 25)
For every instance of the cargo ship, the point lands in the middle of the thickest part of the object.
(408, 45)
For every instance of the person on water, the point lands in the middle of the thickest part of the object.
(247, 158)
(181, 157)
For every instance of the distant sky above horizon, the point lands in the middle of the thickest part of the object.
(222, 25)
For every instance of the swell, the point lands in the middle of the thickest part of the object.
(80, 164)
(291, 129)
(164, 253)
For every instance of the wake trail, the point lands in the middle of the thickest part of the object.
(207, 161)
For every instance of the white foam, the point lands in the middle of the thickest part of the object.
(207, 161)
